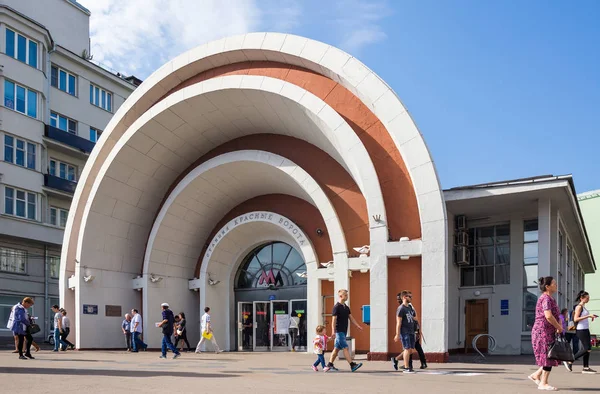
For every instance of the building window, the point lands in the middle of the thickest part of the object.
(95, 134)
(272, 265)
(62, 170)
(20, 203)
(54, 266)
(19, 152)
(530, 273)
(58, 217)
(63, 80)
(21, 48)
(490, 257)
(20, 99)
(100, 98)
(62, 122)
(13, 260)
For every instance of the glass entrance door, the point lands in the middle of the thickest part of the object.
(281, 325)
(245, 326)
(262, 331)
(298, 319)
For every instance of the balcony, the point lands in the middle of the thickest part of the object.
(71, 140)
(59, 184)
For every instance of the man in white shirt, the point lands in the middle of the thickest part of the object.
(136, 331)
(57, 326)
(207, 331)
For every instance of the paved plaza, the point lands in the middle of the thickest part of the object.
(113, 372)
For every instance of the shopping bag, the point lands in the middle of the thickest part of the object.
(560, 349)
(207, 335)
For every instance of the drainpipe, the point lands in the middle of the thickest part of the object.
(46, 300)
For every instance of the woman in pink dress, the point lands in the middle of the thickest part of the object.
(544, 330)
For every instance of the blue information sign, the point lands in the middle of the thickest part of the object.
(272, 297)
(90, 309)
(503, 304)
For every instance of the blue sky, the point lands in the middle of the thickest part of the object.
(499, 89)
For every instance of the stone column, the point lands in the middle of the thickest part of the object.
(544, 237)
(379, 291)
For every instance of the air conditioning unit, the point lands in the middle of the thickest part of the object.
(461, 222)
(461, 238)
(462, 255)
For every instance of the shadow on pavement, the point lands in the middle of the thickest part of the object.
(113, 373)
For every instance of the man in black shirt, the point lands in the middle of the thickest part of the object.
(405, 330)
(339, 328)
(167, 329)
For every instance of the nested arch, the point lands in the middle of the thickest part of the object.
(272, 173)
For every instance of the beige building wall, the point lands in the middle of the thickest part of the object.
(60, 28)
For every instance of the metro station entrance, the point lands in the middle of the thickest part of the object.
(271, 300)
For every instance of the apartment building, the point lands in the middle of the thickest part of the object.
(56, 103)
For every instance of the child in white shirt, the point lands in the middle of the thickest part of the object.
(320, 346)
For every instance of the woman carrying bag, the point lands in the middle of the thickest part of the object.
(543, 333)
(581, 318)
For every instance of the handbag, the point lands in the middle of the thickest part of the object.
(179, 332)
(34, 328)
(207, 335)
(560, 350)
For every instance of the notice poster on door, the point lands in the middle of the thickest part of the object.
(282, 322)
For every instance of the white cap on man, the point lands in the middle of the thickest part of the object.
(164, 304)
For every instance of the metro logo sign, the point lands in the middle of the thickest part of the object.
(269, 278)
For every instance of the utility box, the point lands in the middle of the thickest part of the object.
(366, 314)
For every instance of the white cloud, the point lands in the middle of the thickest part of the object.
(359, 23)
(138, 36)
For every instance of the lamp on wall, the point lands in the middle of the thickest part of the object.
(213, 282)
(89, 278)
(87, 275)
(155, 278)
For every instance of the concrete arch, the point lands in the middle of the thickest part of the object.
(222, 296)
(303, 180)
(353, 75)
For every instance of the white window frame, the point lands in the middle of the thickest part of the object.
(55, 116)
(5, 253)
(27, 90)
(98, 103)
(27, 41)
(96, 133)
(26, 154)
(54, 260)
(57, 216)
(58, 70)
(14, 203)
(57, 164)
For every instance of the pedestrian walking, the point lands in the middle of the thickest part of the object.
(418, 347)
(320, 347)
(66, 329)
(136, 332)
(544, 331)
(126, 328)
(341, 314)
(57, 326)
(182, 333)
(582, 317)
(167, 325)
(293, 330)
(207, 332)
(405, 331)
(18, 323)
